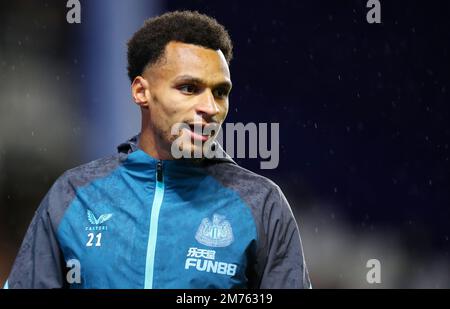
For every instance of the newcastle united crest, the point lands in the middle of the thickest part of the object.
(217, 233)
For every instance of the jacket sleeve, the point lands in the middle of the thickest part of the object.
(281, 253)
(39, 263)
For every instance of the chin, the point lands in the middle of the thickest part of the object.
(193, 150)
(186, 149)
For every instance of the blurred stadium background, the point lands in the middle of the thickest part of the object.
(363, 112)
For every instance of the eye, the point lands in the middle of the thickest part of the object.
(188, 89)
(221, 93)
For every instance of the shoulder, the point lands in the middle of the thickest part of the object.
(263, 196)
(94, 169)
(64, 188)
(233, 174)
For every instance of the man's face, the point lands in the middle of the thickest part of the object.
(189, 85)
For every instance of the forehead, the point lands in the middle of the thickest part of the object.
(188, 59)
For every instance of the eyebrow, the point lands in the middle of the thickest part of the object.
(196, 80)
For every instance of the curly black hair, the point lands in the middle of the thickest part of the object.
(148, 43)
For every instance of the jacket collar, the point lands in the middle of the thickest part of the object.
(131, 145)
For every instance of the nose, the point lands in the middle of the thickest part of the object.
(207, 105)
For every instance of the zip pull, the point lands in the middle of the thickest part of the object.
(159, 171)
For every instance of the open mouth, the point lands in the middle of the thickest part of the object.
(197, 132)
(201, 131)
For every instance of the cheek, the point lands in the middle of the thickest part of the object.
(223, 111)
(174, 113)
(166, 115)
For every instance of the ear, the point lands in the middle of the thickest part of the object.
(140, 91)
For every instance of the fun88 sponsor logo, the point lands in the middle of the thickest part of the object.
(204, 260)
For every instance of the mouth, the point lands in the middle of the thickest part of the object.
(201, 131)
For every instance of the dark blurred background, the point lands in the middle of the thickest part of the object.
(363, 112)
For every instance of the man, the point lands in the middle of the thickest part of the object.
(143, 219)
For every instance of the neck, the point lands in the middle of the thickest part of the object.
(149, 143)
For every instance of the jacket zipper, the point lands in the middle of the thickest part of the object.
(153, 229)
(159, 174)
